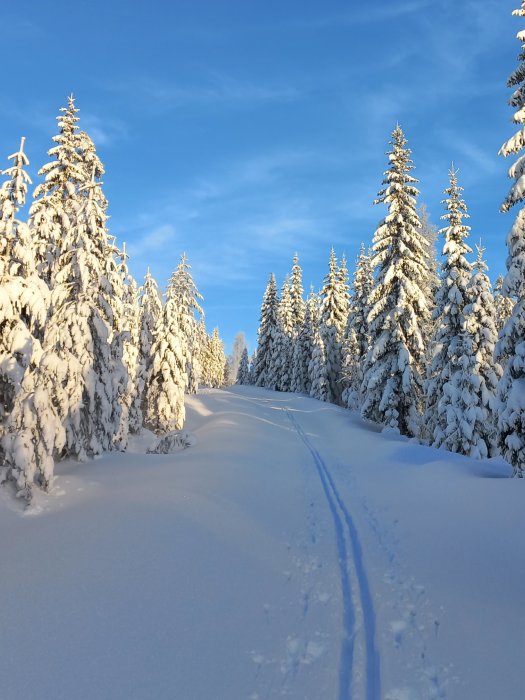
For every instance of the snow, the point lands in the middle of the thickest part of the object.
(293, 551)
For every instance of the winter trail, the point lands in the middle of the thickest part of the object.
(285, 555)
(355, 587)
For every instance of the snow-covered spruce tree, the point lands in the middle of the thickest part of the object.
(480, 317)
(243, 373)
(166, 381)
(393, 378)
(430, 234)
(51, 213)
(503, 305)
(150, 311)
(266, 337)
(351, 369)
(251, 375)
(355, 342)
(319, 368)
(187, 300)
(214, 363)
(234, 361)
(449, 313)
(281, 362)
(334, 317)
(69, 404)
(467, 405)
(296, 293)
(302, 351)
(23, 296)
(343, 296)
(511, 344)
(127, 326)
(335, 297)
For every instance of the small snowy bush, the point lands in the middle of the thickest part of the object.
(172, 442)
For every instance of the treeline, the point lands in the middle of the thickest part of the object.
(87, 357)
(427, 350)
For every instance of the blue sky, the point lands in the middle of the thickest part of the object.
(241, 131)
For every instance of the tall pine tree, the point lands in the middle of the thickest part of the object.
(264, 375)
(164, 396)
(449, 313)
(393, 380)
(511, 344)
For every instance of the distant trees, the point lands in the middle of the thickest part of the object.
(243, 373)
(213, 361)
(234, 360)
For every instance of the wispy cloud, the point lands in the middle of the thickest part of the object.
(152, 242)
(104, 132)
(213, 89)
(388, 11)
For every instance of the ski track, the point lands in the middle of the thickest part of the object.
(343, 523)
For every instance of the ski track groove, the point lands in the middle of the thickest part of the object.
(336, 504)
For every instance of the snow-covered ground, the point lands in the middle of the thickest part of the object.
(294, 551)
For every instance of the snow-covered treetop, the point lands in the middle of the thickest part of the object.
(334, 296)
(297, 292)
(66, 172)
(456, 211)
(16, 186)
(184, 290)
(12, 196)
(480, 265)
(286, 312)
(397, 176)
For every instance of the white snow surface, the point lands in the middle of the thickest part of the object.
(294, 551)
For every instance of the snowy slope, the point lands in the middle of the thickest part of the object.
(294, 551)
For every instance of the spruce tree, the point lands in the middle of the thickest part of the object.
(23, 312)
(481, 325)
(130, 388)
(511, 345)
(150, 311)
(187, 300)
(430, 234)
(334, 316)
(302, 354)
(243, 373)
(319, 368)
(449, 313)
(281, 364)
(503, 305)
(53, 211)
(164, 409)
(234, 361)
(70, 404)
(393, 379)
(356, 341)
(214, 363)
(24, 297)
(318, 377)
(266, 337)
(296, 293)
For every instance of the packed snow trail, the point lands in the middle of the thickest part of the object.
(336, 504)
(293, 552)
